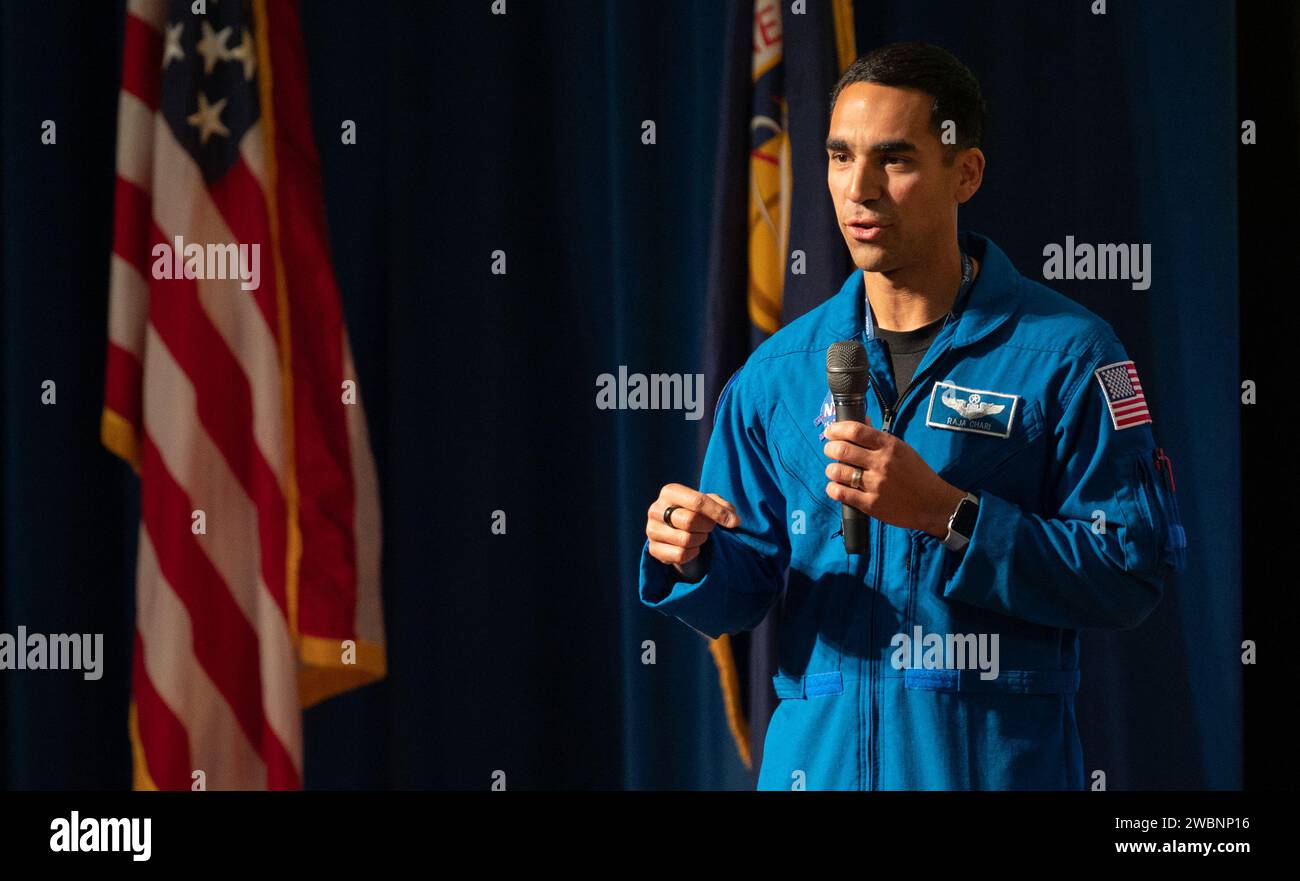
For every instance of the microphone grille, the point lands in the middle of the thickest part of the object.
(846, 368)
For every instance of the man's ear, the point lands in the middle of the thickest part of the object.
(970, 164)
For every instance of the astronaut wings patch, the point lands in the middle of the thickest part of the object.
(974, 410)
(1123, 391)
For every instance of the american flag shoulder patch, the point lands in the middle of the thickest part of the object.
(1123, 391)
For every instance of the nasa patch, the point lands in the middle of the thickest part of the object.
(966, 409)
(826, 415)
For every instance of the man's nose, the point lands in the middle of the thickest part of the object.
(864, 183)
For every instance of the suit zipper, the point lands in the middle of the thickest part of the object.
(889, 414)
(872, 673)
(884, 408)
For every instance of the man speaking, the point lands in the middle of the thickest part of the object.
(1006, 471)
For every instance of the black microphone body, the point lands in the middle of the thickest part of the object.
(847, 376)
(852, 408)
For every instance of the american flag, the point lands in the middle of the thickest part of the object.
(258, 558)
(1124, 398)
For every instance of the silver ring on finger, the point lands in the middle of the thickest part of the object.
(668, 514)
(856, 482)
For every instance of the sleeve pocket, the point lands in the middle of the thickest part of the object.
(1161, 471)
(1157, 540)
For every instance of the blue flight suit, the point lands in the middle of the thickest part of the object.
(1017, 400)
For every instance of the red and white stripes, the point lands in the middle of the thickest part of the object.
(230, 402)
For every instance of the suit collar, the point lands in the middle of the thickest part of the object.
(987, 304)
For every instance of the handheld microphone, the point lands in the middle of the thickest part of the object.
(847, 377)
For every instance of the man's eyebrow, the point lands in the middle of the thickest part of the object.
(838, 145)
(894, 147)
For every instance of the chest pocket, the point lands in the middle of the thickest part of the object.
(812, 517)
(970, 460)
(799, 453)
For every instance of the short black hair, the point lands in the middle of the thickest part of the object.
(935, 71)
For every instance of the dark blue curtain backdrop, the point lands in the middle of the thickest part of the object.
(523, 133)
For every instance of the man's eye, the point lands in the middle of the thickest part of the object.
(895, 160)
(838, 157)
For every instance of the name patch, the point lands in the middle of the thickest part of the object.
(966, 409)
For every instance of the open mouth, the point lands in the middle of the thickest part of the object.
(865, 230)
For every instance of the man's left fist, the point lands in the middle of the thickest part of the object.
(897, 486)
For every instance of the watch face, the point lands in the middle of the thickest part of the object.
(963, 523)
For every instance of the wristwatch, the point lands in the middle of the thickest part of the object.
(962, 523)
